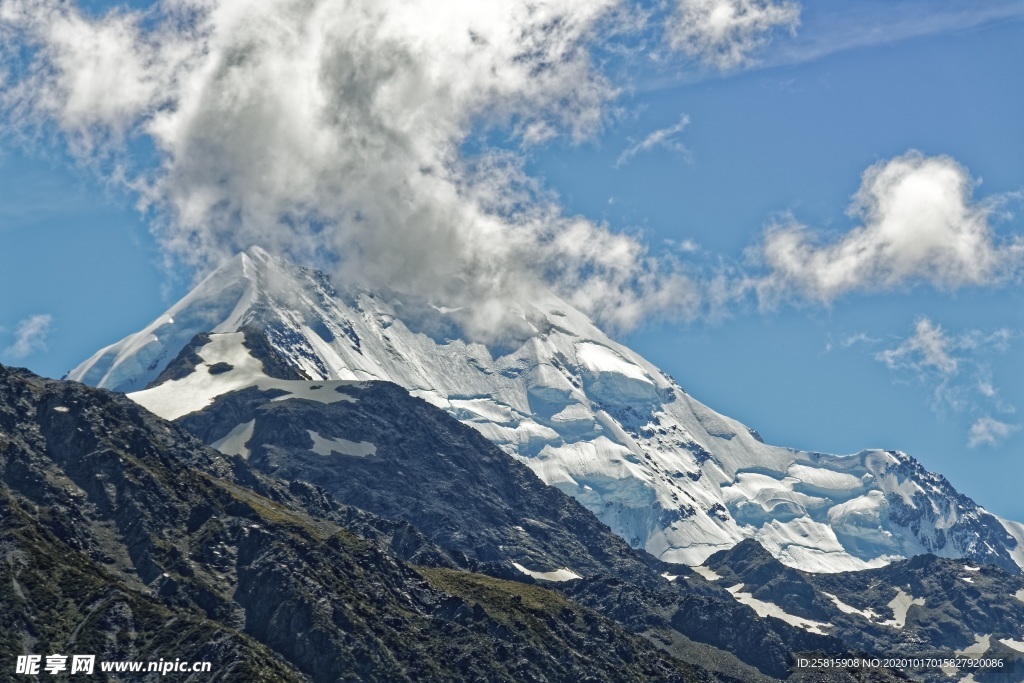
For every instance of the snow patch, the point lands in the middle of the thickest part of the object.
(860, 511)
(236, 441)
(484, 409)
(900, 605)
(809, 545)
(670, 577)
(600, 360)
(824, 478)
(966, 579)
(1020, 595)
(769, 609)
(432, 397)
(548, 384)
(60, 409)
(1017, 645)
(1016, 530)
(980, 646)
(707, 572)
(563, 574)
(850, 609)
(612, 379)
(573, 413)
(325, 446)
(179, 397)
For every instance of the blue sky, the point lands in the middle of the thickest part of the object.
(927, 359)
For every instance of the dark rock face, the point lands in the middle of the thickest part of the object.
(428, 469)
(126, 537)
(90, 516)
(769, 580)
(486, 510)
(260, 343)
(184, 363)
(703, 614)
(950, 603)
(977, 537)
(960, 601)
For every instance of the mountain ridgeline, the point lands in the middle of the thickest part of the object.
(587, 415)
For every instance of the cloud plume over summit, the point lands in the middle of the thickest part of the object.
(334, 133)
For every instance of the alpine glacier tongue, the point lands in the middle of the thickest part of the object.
(588, 415)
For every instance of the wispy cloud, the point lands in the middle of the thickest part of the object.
(30, 336)
(727, 34)
(848, 341)
(955, 369)
(828, 28)
(987, 431)
(666, 138)
(929, 348)
(854, 339)
(936, 356)
(847, 26)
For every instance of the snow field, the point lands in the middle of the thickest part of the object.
(563, 574)
(769, 609)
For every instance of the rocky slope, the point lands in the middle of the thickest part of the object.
(125, 537)
(375, 447)
(926, 606)
(372, 445)
(588, 415)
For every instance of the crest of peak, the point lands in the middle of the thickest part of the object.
(257, 252)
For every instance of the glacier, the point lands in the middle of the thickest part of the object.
(585, 413)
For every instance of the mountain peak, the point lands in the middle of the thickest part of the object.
(256, 252)
(588, 415)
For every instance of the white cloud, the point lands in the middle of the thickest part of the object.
(955, 369)
(332, 132)
(987, 431)
(928, 347)
(986, 389)
(932, 352)
(666, 138)
(919, 224)
(726, 33)
(30, 336)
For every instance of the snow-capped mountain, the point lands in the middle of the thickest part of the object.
(588, 415)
